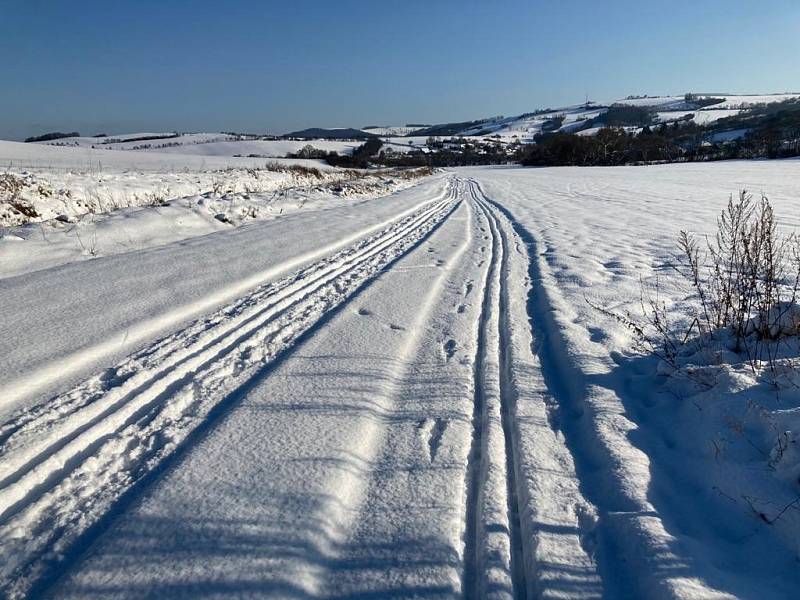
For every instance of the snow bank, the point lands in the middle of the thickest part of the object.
(80, 216)
(27, 196)
(17, 155)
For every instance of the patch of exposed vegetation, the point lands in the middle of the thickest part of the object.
(54, 135)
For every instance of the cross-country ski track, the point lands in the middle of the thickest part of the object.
(394, 415)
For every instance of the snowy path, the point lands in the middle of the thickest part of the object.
(98, 311)
(66, 461)
(385, 454)
(404, 409)
(659, 525)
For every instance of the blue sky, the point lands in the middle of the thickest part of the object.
(262, 66)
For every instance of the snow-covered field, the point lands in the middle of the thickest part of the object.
(266, 148)
(391, 130)
(52, 216)
(201, 144)
(731, 101)
(17, 155)
(133, 141)
(404, 394)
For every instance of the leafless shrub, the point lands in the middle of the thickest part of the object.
(11, 185)
(10, 188)
(306, 171)
(745, 280)
(297, 170)
(23, 207)
(88, 246)
(411, 173)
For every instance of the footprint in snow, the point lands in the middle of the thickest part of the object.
(111, 377)
(449, 348)
(431, 431)
(597, 335)
(108, 375)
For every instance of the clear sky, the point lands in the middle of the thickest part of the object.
(113, 66)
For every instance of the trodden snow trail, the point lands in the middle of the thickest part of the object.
(410, 509)
(349, 458)
(66, 462)
(374, 425)
(494, 567)
(543, 535)
(187, 280)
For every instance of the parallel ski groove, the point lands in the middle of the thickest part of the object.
(476, 467)
(557, 378)
(226, 336)
(157, 356)
(507, 413)
(44, 483)
(496, 274)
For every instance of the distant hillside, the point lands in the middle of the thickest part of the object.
(450, 128)
(393, 130)
(48, 137)
(319, 133)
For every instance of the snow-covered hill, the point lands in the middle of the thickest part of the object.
(392, 130)
(202, 144)
(571, 119)
(577, 118)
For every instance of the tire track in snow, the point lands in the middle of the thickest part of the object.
(494, 562)
(19, 461)
(64, 465)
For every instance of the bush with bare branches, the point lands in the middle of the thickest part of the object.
(744, 279)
